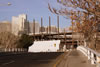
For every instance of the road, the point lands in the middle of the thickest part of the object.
(72, 58)
(29, 59)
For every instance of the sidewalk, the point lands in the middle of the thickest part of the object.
(75, 59)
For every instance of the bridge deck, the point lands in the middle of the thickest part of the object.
(75, 59)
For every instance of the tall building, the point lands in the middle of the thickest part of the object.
(20, 24)
(61, 30)
(5, 26)
(51, 29)
(34, 29)
(42, 29)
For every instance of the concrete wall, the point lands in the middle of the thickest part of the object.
(45, 46)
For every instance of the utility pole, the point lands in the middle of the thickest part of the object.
(34, 28)
(65, 37)
(41, 25)
(28, 26)
(49, 25)
(58, 25)
(72, 30)
(41, 28)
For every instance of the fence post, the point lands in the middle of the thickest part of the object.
(92, 58)
(89, 55)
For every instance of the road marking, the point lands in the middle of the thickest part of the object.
(61, 58)
(8, 63)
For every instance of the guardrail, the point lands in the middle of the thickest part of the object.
(13, 50)
(92, 55)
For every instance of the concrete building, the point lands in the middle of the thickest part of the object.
(53, 29)
(42, 29)
(5, 26)
(20, 24)
(31, 27)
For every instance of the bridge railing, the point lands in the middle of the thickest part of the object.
(13, 50)
(92, 55)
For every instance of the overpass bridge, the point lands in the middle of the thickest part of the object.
(67, 38)
(80, 57)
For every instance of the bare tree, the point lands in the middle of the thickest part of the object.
(84, 13)
(8, 40)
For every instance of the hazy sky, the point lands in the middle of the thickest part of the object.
(35, 9)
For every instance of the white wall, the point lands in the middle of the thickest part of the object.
(45, 46)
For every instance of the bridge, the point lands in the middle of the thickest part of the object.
(67, 38)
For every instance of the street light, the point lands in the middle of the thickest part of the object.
(7, 4)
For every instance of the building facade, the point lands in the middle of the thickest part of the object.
(34, 27)
(51, 29)
(5, 26)
(20, 25)
(42, 29)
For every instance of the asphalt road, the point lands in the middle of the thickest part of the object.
(29, 59)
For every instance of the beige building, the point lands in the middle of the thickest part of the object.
(42, 29)
(5, 26)
(20, 24)
(53, 29)
(31, 27)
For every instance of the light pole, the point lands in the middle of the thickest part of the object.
(34, 28)
(49, 25)
(58, 26)
(72, 29)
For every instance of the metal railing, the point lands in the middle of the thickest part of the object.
(92, 55)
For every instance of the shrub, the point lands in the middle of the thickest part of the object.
(25, 41)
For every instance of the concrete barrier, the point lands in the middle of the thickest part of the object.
(92, 55)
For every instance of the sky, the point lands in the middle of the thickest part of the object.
(35, 9)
